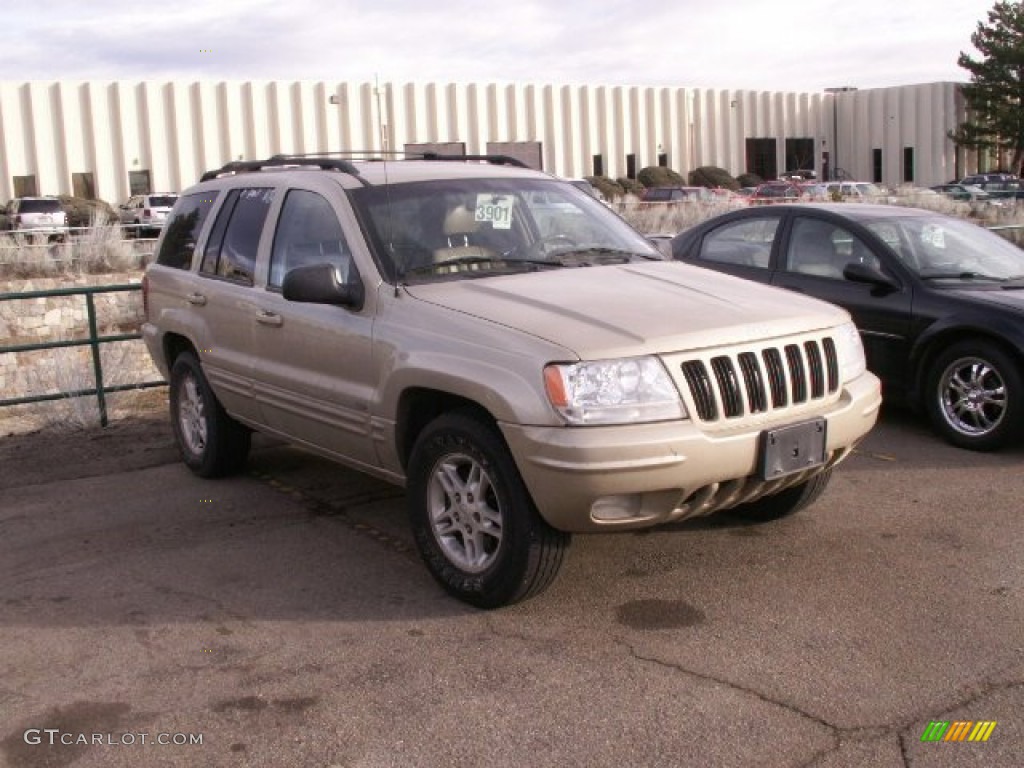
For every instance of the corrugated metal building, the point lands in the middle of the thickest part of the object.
(114, 139)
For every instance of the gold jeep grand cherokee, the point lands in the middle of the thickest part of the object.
(501, 344)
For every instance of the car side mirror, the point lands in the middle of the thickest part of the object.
(322, 284)
(864, 273)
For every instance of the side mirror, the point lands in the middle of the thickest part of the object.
(322, 284)
(862, 273)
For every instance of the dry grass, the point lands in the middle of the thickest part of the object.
(99, 249)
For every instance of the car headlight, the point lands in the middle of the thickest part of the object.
(850, 350)
(630, 390)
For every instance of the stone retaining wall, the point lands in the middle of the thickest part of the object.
(62, 318)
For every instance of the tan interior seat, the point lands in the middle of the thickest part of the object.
(459, 224)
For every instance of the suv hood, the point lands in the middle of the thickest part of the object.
(630, 309)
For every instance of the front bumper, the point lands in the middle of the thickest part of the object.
(656, 473)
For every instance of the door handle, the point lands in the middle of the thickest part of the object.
(196, 298)
(269, 318)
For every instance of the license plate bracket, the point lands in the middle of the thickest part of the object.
(793, 448)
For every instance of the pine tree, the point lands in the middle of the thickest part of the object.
(995, 95)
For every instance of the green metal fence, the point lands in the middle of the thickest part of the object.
(100, 390)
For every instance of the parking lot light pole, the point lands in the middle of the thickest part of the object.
(835, 127)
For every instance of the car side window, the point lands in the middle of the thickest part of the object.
(745, 243)
(308, 232)
(186, 221)
(232, 245)
(823, 249)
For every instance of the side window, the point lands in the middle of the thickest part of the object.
(823, 249)
(308, 232)
(181, 231)
(235, 238)
(745, 243)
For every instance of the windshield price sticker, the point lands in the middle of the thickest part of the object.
(495, 210)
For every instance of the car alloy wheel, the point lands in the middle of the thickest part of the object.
(465, 512)
(972, 395)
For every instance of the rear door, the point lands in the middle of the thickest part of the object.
(225, 298)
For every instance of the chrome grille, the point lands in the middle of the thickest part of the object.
(734, 385)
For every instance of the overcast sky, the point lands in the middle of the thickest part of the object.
(800, 45)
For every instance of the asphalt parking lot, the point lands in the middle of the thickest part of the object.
(282, 618)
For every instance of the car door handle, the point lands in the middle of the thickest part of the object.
(196, 298)
(269, 318)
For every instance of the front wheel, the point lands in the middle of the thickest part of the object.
(973, 393)
(211, 443)
(785, 503)
(473, 520)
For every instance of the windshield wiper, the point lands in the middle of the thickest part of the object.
(962, 276)
(604, 255)
(492, 262)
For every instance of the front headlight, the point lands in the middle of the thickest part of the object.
(850, 350)
(630, 390)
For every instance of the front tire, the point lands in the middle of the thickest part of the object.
(974, 394)
(473, 520)
(211, 443)
(784, 503)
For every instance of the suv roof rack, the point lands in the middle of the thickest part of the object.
(279, 161)
(322, 161)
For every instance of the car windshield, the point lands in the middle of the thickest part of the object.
(470, 228)
(39, 206)
(162, 201)
(944, 248)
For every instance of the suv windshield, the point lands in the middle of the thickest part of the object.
(29, 205)
(475, 227)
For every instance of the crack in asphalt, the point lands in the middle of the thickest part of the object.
(838, 733)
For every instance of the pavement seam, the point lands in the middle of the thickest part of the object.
(339, 510)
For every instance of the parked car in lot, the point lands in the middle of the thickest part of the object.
(939, 301)
(963, 192)
(676, 194)
(144, 215)
(776, 192)
(36, 216)
(524, 372)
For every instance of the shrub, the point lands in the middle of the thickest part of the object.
(630, 186)
(712, 176)
(749, 180)
(659, 176)
(82, 212)
(609, 188)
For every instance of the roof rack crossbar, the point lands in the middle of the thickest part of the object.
(492, 159)
(277, 161)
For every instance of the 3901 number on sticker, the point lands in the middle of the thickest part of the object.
(495, 210)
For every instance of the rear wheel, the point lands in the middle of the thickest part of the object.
(785, 502)
(211, 443)
(975, 396)
(473, 520)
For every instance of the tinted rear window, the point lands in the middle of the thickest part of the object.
(181, 232)
(162, 201)
(39, 206)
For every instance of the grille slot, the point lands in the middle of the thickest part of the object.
(797, 373)
(831, 363)
(757, 399)
(817, 368)
(734, 385)
(728, 386)
(700, 387)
